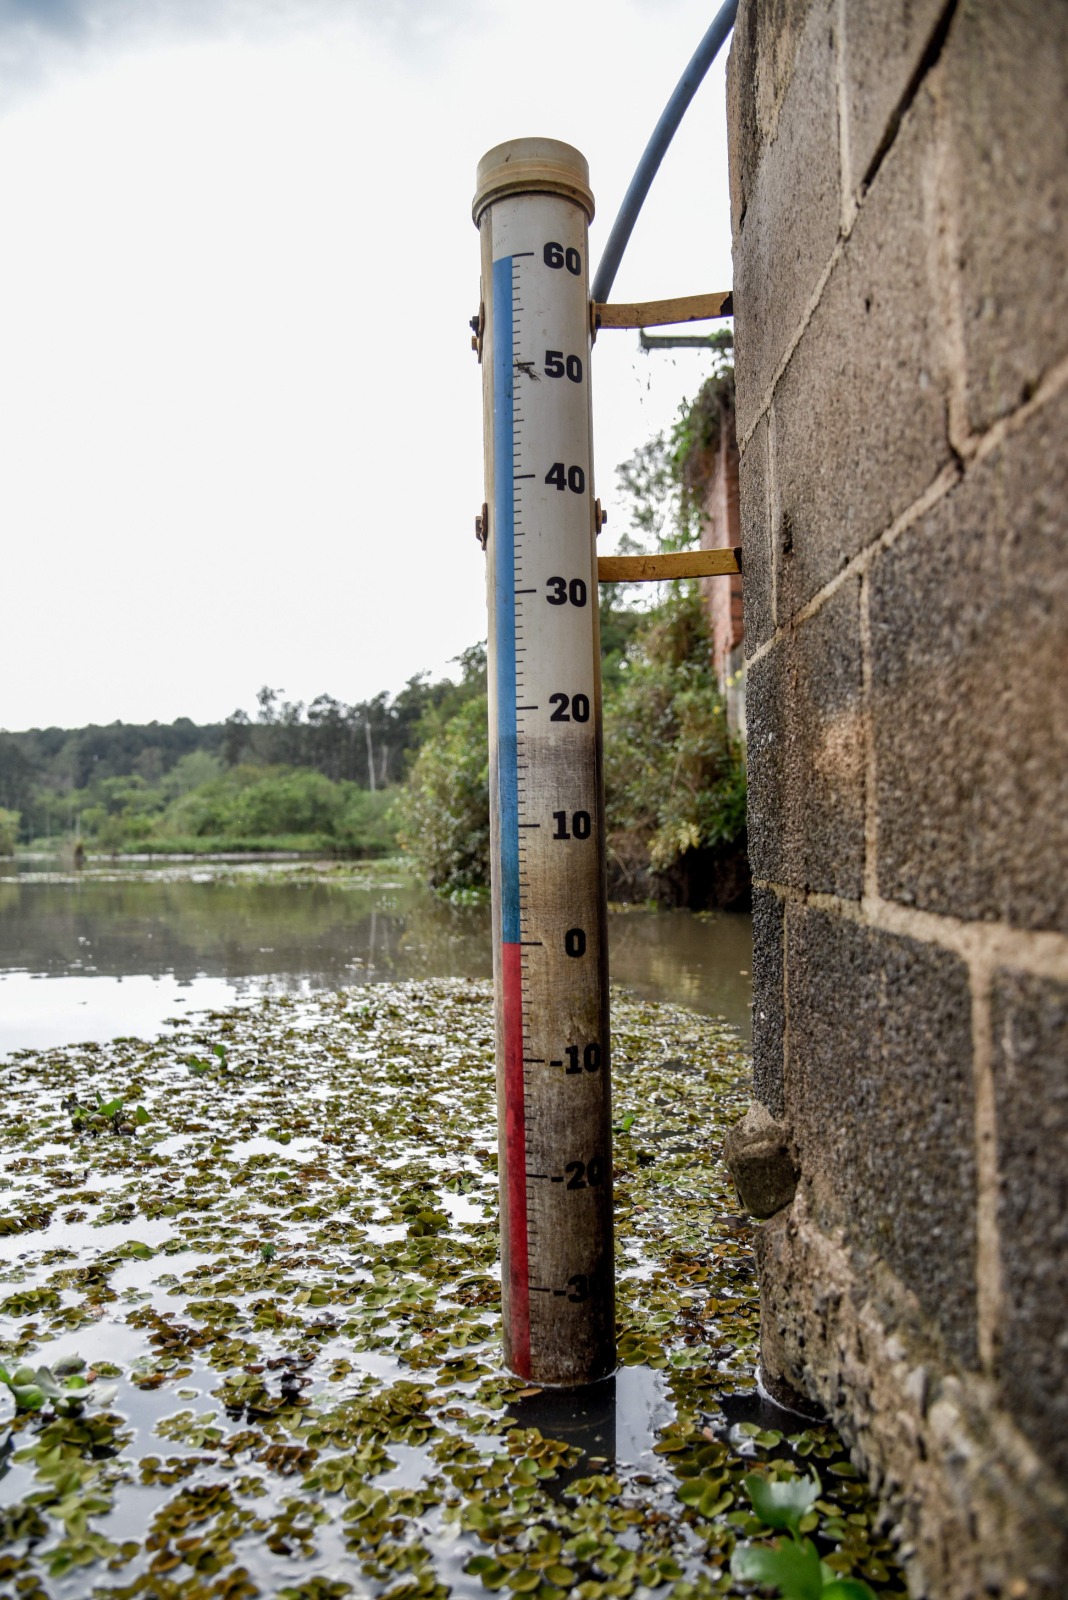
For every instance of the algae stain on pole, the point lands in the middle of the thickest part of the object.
(532, 206)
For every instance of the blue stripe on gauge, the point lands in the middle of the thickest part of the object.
(504, 568)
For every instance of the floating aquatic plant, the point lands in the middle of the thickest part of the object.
(291, 1277)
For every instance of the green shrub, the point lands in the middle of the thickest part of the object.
(674, 776)
(251, 802)
(259, 808)
(9, 831)
(287, 802)
(367, 826)
(444, 810)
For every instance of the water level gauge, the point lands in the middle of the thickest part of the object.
(533, 206)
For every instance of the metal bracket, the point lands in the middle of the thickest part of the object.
(683, 564)
(661, 313)
(717, 340)
(478, 328)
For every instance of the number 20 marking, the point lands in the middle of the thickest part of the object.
(585, 1172)
(579, 703)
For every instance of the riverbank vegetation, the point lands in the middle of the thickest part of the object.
(350, 780)
(316, 777)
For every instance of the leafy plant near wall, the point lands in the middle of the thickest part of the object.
(791, 1565)
(695, 441)
(664, 481)
(674, 776)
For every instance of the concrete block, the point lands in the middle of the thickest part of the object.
(969, 631)
(758, 578)
(785, 1371)
(806, 755)
(768, 933)
(1029, 1018)
(884, 46)
(879, 1097)
(759, 68)
(1006, 86)
(860, 412)
(784, 240)
(757, 1153)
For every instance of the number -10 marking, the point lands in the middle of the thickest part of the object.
(591, 1058)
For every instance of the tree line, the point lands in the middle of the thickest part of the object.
(52, 777)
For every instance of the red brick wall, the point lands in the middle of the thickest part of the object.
(720, 527)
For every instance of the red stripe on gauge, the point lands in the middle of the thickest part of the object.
(516, 1142)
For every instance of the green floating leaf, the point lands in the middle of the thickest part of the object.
(28, 1397)
(705, 1495)
(847, 1589)
(791, 1565)
(524, 1581)
(782, 1502)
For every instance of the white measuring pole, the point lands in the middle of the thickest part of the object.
(532, 206)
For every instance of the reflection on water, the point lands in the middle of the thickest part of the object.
(702, 961)
(117, 950)
(617, 1421)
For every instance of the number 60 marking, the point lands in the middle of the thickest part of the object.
(554, 255)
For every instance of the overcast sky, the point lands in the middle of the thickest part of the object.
(239, 413)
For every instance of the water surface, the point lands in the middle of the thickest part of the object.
(122, 946)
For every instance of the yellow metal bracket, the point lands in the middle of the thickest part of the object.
(683, 564)
(661, 313)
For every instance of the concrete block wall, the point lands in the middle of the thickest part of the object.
(899, 183)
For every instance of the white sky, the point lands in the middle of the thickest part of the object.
(240, 420)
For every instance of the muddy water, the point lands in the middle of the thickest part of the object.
(119, 948)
